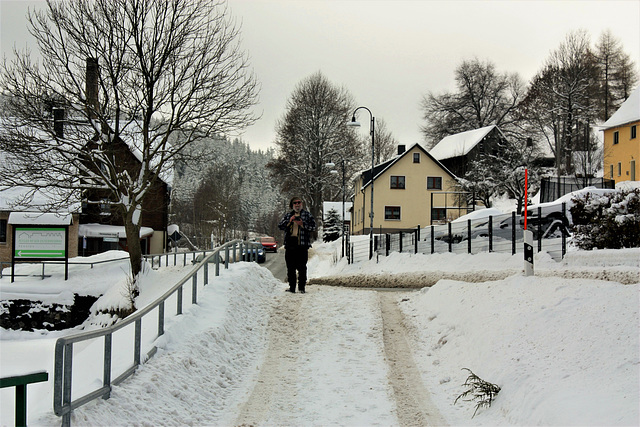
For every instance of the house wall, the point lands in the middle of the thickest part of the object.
(155, 207)
(621, 159)
(414, 200)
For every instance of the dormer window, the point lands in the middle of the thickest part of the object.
(416, 157)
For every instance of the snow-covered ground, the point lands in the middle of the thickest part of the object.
(563, 349)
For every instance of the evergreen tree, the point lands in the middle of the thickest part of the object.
(332, 226)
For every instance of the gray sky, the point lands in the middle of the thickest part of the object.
(388, 54)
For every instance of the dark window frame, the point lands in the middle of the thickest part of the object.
(438, 214)
(434, 183)
(616, 137)
(397, 183)
(633, 132)
(392, 213)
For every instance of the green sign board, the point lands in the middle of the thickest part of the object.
(34, 242)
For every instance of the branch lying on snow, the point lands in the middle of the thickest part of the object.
(482, 392)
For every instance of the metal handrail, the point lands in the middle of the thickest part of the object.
(63, 405)
(166, 255)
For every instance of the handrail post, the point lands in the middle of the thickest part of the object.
(194, 288)
(106, 376)
(20, 383)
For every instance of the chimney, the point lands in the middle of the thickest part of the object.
(91, 89)
(401, 149)
(58, 121)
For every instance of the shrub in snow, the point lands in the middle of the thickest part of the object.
(481, 391)
(610, 221)
(332, 226)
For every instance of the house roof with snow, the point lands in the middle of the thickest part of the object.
(461, 143)
(628, 112)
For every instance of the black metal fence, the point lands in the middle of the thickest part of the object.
(555, 187)
(495, 233)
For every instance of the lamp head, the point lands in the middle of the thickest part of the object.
(353, 122)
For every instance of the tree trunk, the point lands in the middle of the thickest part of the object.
(135, 254)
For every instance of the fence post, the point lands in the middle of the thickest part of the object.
(468, 236)
(539, 229)
(513, 233)
(194, 288)
(387, 243)
(106, 371)
(450, 237)
(417, 237)
(564, 230)
(400, 244)
(433, 239)
(490, 233)
(20, 383)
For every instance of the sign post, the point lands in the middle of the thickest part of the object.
(40, 243)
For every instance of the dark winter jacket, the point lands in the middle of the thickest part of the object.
(304, 234)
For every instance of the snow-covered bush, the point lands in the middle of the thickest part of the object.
(609, 221)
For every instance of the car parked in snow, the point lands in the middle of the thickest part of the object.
(549, 216)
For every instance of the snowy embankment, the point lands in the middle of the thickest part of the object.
(564, 349)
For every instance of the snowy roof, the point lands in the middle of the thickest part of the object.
(460, 143)
(628, 112)
(39, 218)
(104, 230)
(327, 206)
(19, 198)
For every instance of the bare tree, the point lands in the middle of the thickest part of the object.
(484, 97)
(617, 74)
(170, 73)
(311, 133)
(562, 99)
(385, 142)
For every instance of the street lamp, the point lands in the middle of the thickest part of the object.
(372, 127)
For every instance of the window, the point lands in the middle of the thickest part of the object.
(392, 212)
(633, 132)
(3, 231)
(438, 214)
(416, 157)
(619, 169)
(611, 171)
(397, 182)
(434, 183)
(616, 137)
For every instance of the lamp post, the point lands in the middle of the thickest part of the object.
(372, 131)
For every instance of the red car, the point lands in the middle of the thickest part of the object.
(269, 244)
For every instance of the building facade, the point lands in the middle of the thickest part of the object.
(408, 192)
(621, 141)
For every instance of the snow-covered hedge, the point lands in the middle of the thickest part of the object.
(609, 221)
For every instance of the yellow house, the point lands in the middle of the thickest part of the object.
(405, 188)
(621, 141)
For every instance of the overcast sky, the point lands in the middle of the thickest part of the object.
(389, 54)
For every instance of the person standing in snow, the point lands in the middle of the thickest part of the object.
(298, 224)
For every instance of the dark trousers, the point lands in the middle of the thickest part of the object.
(296, 257)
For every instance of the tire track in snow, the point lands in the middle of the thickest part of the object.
(413, 400)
